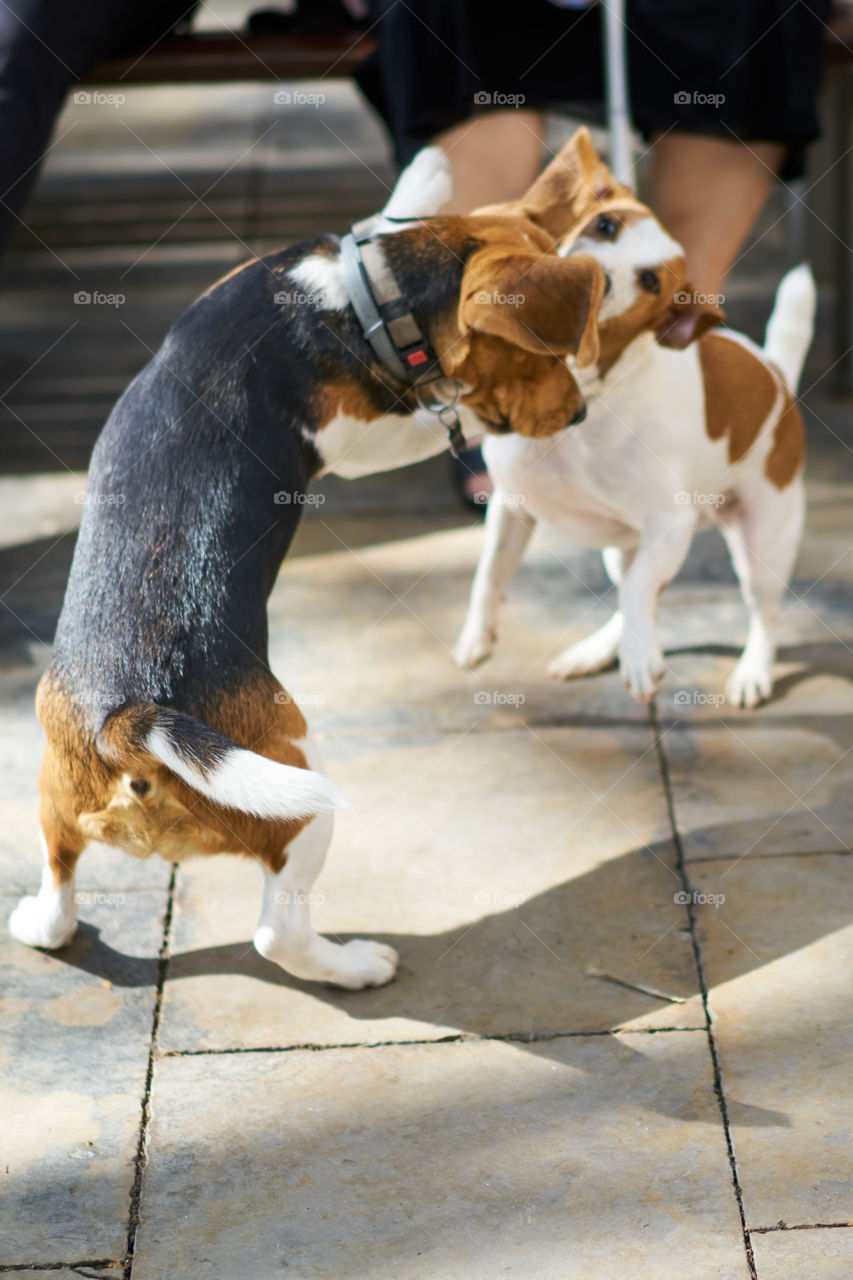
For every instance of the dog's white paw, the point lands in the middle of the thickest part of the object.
(42, 921)
(582, 659)
(642, 670)
(368, 964)
(356, 964)
(749, 684)
(473, 647)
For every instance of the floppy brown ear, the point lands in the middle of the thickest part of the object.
(545, 304)
(687, 319)
(573, 181)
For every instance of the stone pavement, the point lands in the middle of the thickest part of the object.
(175, 1106)
(174, 1101)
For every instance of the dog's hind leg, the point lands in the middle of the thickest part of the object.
(600, 649)
(285, 935)
(762, 535)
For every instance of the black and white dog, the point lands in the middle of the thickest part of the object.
(167, 732)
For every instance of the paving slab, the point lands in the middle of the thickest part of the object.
(393, 600)
(793, 1255)
(497, 909)
(762, 785)
(76, 1032)
(592, 1158)
(777, 955)
(109, 1272)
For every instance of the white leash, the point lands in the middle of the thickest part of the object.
(618, 106)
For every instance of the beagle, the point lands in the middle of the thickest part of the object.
(166, 730)
(688, 425)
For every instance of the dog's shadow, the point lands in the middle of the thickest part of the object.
(815, 658)
(482, 978)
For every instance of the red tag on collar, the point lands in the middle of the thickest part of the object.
(417, 357)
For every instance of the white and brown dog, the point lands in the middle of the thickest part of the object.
(166, 730)
(685, 427)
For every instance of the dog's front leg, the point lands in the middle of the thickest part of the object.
(284, 933)
(664, 543)
(508, 530)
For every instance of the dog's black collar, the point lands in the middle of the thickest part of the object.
(384, 314)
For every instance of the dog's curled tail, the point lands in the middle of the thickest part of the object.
(791, 324)
(213, 765)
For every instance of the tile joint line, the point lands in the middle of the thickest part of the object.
(145, 1117)
(666, 781)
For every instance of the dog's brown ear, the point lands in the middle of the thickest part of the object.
(545, 304)
(564, 192)
(689, 316)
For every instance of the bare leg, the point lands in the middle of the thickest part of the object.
(49, 919)
(763, 545)
(708, 192)
(598, 650)
(508, 531)
(664, 545)
(493, 157)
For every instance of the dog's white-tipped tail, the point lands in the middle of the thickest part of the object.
(249, 782)
(423, 188)
(791, 324)
(213, 764)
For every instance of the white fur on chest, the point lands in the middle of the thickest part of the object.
(643, 447)
(351, 447)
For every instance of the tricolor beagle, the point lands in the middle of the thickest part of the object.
(685, 427)
(166, 730)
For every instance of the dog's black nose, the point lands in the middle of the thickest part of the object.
(608, 283)
(579, 416)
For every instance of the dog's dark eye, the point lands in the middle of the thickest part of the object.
(649, 281)
(606, 226)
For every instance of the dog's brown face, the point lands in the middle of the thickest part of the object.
(521, 310)
(649, 289)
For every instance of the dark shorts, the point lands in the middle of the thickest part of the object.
(744, 70)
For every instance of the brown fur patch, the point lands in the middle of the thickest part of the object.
(342, 396)
(84, 798)
(788, 451)
(646, 313)
(740, 392)
(516, 390)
